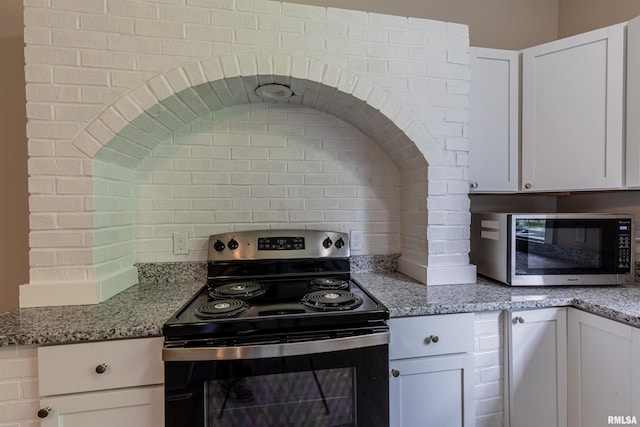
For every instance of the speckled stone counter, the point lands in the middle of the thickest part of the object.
(406, 297)
(141, 310)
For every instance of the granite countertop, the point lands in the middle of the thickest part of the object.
(141, 310)
(406, 297)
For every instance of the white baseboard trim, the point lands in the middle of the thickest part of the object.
(429, 275)
(118, 282)
(77, 293)
(451, 275)
(412, 269)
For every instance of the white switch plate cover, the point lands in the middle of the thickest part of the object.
(181, 243)
(356, 240)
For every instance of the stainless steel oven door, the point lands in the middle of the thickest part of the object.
(330, 382)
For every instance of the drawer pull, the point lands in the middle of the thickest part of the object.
(431, 339)
(518, 319)
(395, 373)
(44, 412)
(101, 368)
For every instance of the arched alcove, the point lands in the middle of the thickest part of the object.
(125, 133)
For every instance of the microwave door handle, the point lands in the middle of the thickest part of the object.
(192, 354)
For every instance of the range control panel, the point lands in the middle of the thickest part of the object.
(278, 244)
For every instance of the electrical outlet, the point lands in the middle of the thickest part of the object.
(356, 240)
(181, 243)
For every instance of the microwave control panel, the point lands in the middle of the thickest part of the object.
(624, 245)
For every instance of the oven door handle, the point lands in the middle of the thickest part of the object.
(193, 354)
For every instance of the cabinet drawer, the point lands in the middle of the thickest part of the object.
(73, 368)
(416, 336)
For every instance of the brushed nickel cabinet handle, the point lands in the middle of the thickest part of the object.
(44, 412)
(518, 319)
(431, 339)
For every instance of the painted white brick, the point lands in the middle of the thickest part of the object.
(259, 6)
(232, 217)
(128, 43)
(79, 220)
(183, 14)
(349, 16)
(105, 23)
(257, 37)
(270, 216)
(160, 29)
(36, 36)
(133, 9)
(306, 216)
(304, 11)
(214, 4)
(9, 390)
(48, 18)
(280, 24)
(207, 33)
(177, 34)
(297, 41)
(71, 38)
(112, 60)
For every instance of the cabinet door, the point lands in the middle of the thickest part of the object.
(537, 368)
(633, 103)
(137, 407)
(432, 391)
(494, 117)
(601, 368)
(572, 112)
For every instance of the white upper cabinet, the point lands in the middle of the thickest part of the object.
(573, 112)
(494, 109)
(633, 103)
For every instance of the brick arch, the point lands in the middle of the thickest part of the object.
(126, 131)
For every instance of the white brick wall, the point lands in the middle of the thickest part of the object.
(113, 85)
(489, 359)
(19, 401)
(324, 173)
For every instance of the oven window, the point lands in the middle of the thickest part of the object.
(552, 247)
(311, 398)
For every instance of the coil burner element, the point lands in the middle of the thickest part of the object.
(331, 300)
(221, 308)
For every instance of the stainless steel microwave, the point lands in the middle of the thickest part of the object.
(552, 249)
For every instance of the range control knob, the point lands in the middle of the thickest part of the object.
(327, 243)
(218, 246)
(233, 244)
(339, 243)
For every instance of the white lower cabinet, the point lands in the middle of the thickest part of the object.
(604, 370)
(536, 386)
(102, 384)
(432, 371)
(137, 407)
